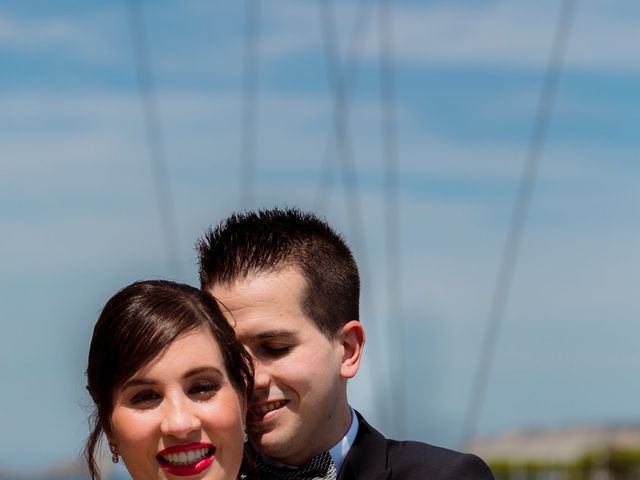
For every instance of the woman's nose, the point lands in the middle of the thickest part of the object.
(180, 418)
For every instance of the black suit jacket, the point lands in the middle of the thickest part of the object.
(373, 457)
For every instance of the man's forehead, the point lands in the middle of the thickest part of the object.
(262, 292)
(264, 306)
(285, 271)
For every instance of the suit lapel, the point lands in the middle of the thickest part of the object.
(367, 458)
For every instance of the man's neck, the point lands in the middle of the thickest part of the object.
(338, 450)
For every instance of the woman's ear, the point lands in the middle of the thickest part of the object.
(351, 338)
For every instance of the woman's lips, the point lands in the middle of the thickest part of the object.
(186, 459)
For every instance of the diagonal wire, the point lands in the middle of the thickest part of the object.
(154, 136)
(250, 99)
(349, 76)
(340, 121)
(392, 211)
(519, 216)
(347, 170)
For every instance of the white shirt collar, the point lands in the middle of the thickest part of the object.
(339, 451)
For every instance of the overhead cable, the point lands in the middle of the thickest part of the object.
(392, 225)
(250, 101)
(348, 174)
(348, 72)
(154, 136)
(520, 212)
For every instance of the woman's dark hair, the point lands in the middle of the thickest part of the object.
(136, 325)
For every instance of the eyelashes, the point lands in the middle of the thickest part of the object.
(278, 352)
(204, 389)
(144, 397)
(275, 350)
(200, 390)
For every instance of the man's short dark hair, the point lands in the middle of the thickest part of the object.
(271, 240)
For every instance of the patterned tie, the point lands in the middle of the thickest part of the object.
(320, 467)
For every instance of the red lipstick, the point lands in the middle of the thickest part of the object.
(169, 462)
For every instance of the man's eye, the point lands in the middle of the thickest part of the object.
(144, 397)
(276, 349)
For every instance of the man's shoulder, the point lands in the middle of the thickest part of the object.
(410, 459)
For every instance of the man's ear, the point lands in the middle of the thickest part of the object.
(351, 338)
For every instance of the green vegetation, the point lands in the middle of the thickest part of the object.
(620, 464)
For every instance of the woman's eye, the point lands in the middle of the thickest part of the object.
(204, 389)
(144, 397)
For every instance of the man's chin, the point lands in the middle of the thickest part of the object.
(275, 445)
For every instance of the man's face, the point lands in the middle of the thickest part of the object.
(299, 406)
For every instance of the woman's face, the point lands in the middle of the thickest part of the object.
(180, 415)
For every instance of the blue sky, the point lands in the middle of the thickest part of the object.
(79, 219)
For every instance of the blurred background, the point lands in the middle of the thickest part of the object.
(480, 157)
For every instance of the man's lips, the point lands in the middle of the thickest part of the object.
(190, 455)
(261, 411)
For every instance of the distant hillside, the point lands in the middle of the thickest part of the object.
(588, 452)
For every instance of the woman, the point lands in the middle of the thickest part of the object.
(170, 384)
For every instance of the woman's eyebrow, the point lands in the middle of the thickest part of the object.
(204, 369)
(142, 381)
(136, 382)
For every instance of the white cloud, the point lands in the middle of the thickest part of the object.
(496, 34)
(89, 38)
(515, 34)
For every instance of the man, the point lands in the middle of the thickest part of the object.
(291, 288)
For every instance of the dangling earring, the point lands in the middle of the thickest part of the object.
(114, 453)
(245, 436)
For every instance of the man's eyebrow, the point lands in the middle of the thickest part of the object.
(268, 334)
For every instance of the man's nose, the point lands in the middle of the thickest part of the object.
(262, 377)
(180, 418)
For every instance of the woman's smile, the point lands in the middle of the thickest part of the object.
(188, 459)
(183, 412)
